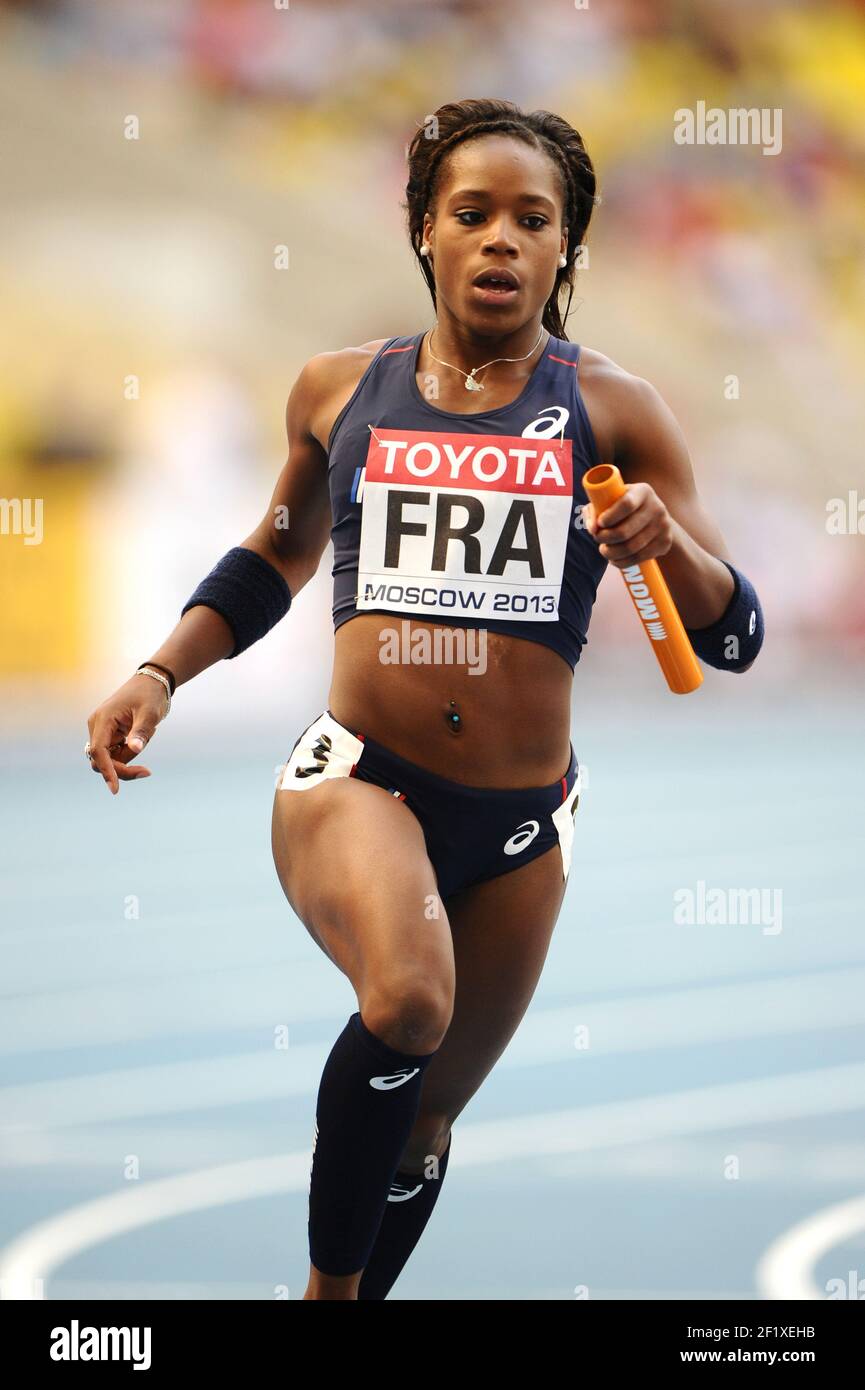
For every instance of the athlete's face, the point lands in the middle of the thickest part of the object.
(499, 207)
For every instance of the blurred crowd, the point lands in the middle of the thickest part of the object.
(157, 155)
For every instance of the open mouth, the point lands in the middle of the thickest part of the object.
(492, 286)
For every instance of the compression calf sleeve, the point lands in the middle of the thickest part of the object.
(367, 1104)
(409, 1207)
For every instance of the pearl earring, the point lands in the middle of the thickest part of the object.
(563, 260)
(424, 250)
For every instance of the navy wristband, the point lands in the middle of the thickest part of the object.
(249, 593)
(734, 640)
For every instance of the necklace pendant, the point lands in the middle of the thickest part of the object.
(472, 385)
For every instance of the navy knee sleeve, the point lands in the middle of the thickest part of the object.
(367, 1104)
(410, 1203)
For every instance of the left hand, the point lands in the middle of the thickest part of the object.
(638, 527)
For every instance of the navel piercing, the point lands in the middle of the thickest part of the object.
(453, 720)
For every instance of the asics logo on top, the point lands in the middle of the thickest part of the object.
(525, 833)
(548, 424)
(396, 1078)
(402, 1194)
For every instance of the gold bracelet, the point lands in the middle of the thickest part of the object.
(163, 680)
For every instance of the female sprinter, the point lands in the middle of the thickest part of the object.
(422, 827)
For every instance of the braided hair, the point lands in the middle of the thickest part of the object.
(458, 121)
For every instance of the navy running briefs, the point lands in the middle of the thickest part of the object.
(472, 833)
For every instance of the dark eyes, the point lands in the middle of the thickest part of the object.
(530, 217)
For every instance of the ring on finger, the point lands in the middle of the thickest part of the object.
(88, 752)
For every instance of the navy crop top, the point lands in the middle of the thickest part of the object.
(467, 520)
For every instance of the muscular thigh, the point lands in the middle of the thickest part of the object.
(352, 862)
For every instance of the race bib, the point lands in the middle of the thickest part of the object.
(473, 525)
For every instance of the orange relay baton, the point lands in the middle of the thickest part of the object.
(604, 485)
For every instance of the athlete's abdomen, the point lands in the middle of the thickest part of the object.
(395, 678)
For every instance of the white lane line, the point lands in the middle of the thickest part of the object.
(235, 995)
(676, 1018)
(786, 1269)
(33, 1256)
(163, 1089)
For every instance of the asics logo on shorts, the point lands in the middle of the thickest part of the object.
(396, 1078)
(525, 833)
(402, 1194)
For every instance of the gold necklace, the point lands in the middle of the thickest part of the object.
(470, 383)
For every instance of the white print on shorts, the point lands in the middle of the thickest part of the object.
(325, 750)
(563, 820)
